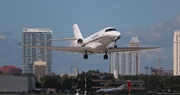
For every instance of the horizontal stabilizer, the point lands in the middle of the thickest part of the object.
(62, 39)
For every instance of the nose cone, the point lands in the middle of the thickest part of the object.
(115, 33)
(118, 33)
(112, 34)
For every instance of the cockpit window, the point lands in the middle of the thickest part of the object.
(110, 29)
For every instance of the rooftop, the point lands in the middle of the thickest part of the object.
(9, 67)
(134, 40)
(36, 30)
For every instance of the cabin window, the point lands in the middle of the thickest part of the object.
(110, 29)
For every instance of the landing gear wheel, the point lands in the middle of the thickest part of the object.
(85, 56)
(105, 56)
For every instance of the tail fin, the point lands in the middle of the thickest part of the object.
(77, 32)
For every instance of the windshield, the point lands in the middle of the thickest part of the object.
(110, 29)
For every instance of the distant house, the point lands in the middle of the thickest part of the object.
(9, 70)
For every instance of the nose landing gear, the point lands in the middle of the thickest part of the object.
(115, 46)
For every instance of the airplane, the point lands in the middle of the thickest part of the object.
(96, 43)
(111, 89)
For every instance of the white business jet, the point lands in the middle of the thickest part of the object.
(111, 89)
(94, 44)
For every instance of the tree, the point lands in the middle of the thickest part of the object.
(50, 82)
(1, 73)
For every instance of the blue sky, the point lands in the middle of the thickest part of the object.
(154, 22)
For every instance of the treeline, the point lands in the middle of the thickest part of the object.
(66, 82)
(157, 83)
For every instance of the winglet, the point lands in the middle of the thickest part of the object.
(20, 44)
(160, 46)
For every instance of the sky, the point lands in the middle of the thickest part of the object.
(153, 21)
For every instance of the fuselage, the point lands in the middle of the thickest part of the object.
(100, 41)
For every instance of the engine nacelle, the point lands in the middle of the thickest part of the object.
(78, 42)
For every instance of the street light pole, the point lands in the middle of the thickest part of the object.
(147, 67)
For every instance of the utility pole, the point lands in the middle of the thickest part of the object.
(147, 68)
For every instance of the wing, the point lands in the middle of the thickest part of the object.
(61, 48)
(122, 49)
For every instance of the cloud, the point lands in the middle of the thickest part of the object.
(2, 37)
(158, 34)
(164, 26)
(147, 54)
(8, 33)
(10, 52)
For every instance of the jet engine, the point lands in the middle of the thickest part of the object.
(80, 41)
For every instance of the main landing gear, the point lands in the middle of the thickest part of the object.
(105, 56)
(85, 55)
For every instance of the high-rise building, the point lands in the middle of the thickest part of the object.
(176, 53)
(36, 37)
(123, 63)
(126, 63)
(134, 42)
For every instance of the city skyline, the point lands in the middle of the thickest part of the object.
(153, 25)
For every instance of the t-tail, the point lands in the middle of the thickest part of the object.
(78, 36)
(77, 32)
(77, 40)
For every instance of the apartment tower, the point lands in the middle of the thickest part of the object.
(134, 42)
(176, 53)
(126, 63)
(36, 37)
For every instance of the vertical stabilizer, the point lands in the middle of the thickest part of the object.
(77, 32)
